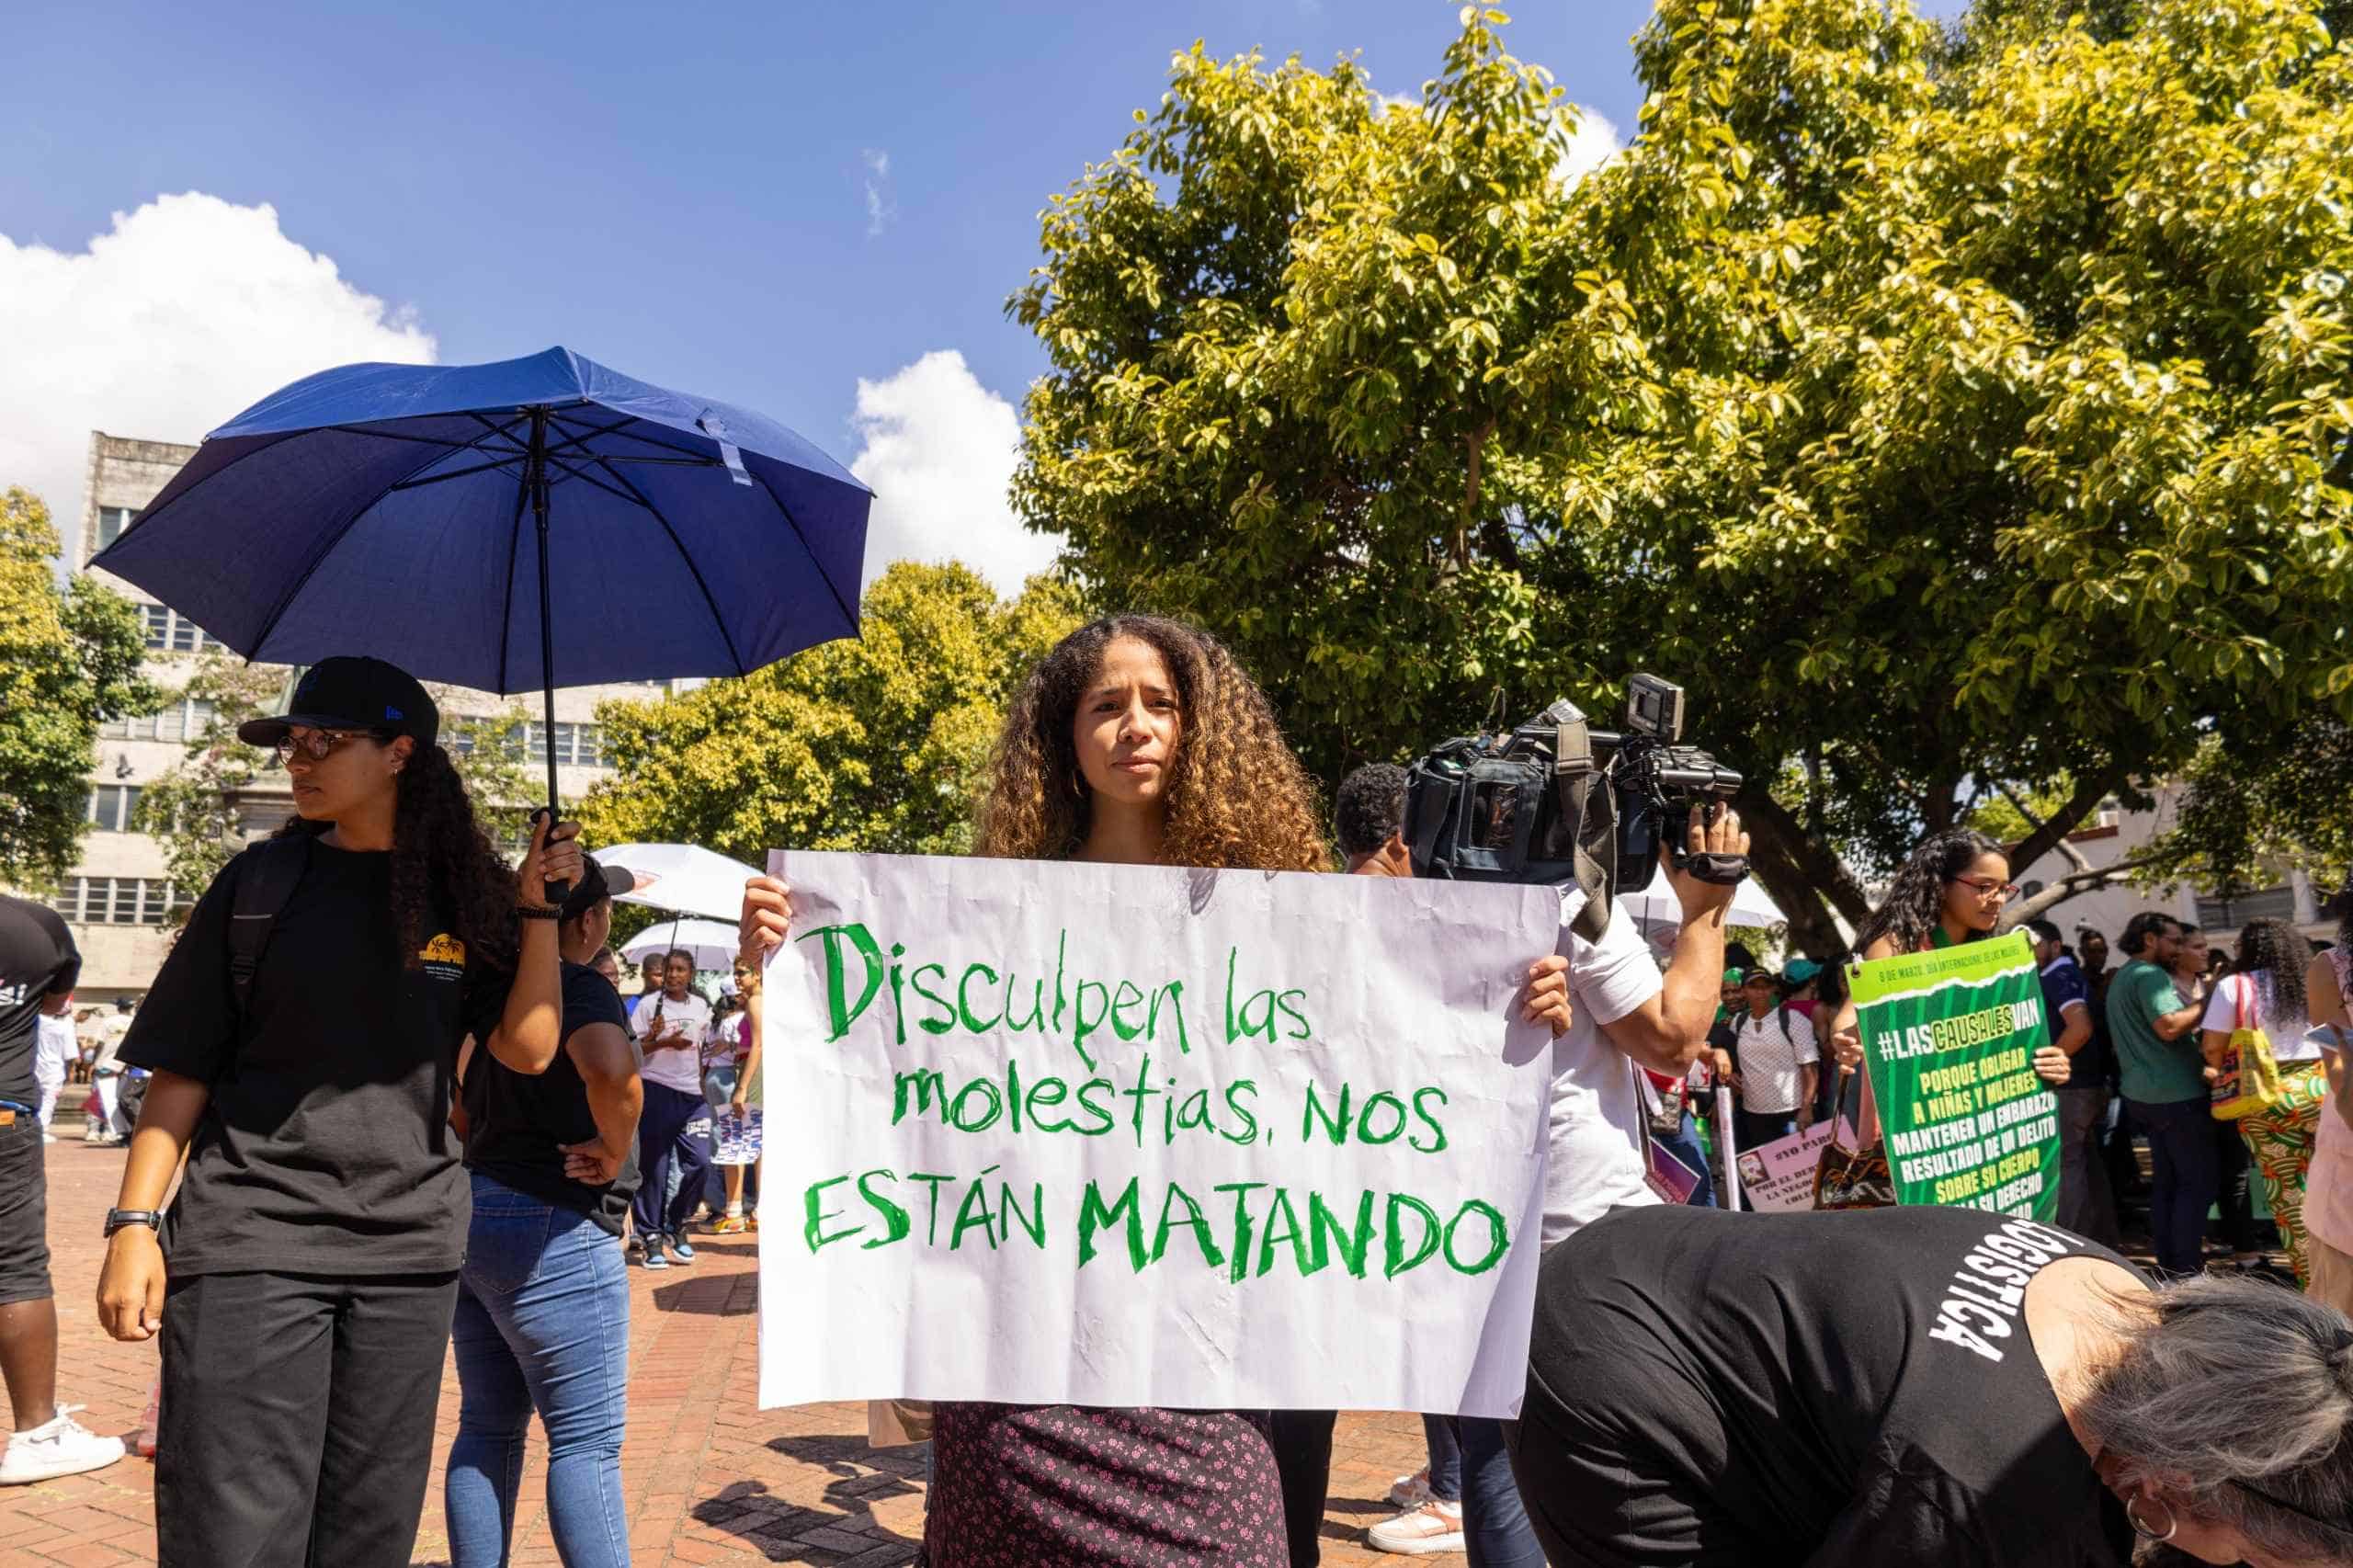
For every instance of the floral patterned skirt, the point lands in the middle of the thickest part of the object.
(1066, 1487)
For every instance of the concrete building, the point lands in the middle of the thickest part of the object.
(2116, 835)
(119, 901)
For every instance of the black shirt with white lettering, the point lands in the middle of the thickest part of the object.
(1838, 1389)
(37, 959)
(325, 1147)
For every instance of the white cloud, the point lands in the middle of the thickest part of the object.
(1593, 141)
(939, 448)
(880, 208)
(184, 312)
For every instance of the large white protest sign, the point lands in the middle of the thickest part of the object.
(1043, 1132)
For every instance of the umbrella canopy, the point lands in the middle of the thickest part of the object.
(684, 877)
(1656, 904)
(712, 944)
(389, 509)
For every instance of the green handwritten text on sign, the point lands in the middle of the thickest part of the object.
(1041, 1132)
(1951, 1036)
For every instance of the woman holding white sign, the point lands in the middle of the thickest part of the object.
(1137, 741)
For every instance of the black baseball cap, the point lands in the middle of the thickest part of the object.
(598, 881)
(351, 694)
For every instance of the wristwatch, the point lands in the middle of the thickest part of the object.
(118, 1218)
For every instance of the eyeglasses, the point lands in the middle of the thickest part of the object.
(1987, 887)
(318, 745)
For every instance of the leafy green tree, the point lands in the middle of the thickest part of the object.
(69, 661)
(872, 744)
(1950, 421)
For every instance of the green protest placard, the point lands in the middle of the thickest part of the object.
(1951, 1036)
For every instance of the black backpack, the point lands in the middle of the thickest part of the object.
(263, 889)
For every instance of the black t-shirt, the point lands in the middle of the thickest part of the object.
(1841, 1389)
(515, 1121)
(37, 959)
(325, 1148)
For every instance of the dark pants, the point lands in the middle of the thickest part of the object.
(2232, 1199)
(24, 1210)
(2086, 1206)
(297, 1421)
(1685, 1146)
(1304, 1459)
(1761, 1126)
(662, 1140)
(2181, 1149)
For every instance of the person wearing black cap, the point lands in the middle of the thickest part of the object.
(542, 1319)
(303, 1037)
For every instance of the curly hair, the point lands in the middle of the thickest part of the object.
(445, 873)
(1237, 797)
(1916, 899)
(1369, 807)
(2276, 949)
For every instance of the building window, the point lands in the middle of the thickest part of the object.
(113, 521)
(118, 901)
(182, 721)
(112, 806)
(576, 745)
(2219, 915)
(170, 631)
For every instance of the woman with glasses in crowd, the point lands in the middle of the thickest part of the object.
(304, 1279)
(1137, 741)
(1952, 890)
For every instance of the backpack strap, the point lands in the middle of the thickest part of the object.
(263, 889)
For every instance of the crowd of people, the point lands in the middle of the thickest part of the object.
(407, 1107)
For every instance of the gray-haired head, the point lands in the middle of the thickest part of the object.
(2233, 1402)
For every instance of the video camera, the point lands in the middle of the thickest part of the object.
(1522, 806)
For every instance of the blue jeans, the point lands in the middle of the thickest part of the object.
(1496, 1532)
(2185, 1175)
(673, 1133)
(1445, 1459)
(1685, 1146)
(543, 1324)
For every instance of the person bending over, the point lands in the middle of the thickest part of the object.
(1922, 1386)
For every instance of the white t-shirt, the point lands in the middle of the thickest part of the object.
(679, 1070)
(2253, 991)
(1595, 1157)
(1769, 1060)
(53, 1047)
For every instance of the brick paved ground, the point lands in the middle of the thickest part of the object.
(712, 1479)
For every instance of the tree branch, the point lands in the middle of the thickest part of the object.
(2089, 879)
(1824, 872)
(2050, 833)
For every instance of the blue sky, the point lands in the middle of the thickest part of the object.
(689, 194)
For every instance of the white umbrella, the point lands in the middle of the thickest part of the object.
(682, 878)
(1657, 906)
(712, 944)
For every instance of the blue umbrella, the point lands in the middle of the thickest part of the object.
(490, 525)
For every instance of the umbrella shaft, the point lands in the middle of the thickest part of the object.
(536, 476)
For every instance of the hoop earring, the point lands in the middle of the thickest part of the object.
(2141, 1528)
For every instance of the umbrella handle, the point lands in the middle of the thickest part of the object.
(554, 891)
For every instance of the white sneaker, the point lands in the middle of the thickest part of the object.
(1412, 1491)
(62, 1446)
(1433, 1527)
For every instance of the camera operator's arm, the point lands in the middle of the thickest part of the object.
(1667, 1033)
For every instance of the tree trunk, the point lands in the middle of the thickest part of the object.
(1800, 874)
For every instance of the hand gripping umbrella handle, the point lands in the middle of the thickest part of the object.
(555, 893)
